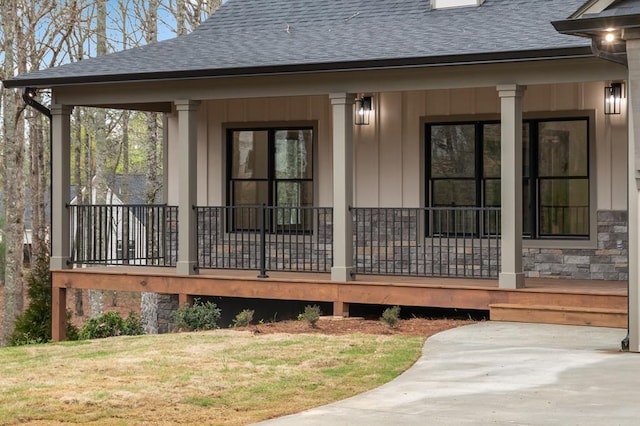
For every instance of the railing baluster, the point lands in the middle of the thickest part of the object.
(457, 241)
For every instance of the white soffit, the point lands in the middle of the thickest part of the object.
(444, 4)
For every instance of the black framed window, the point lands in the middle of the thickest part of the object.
(270, 167)
(463, 170)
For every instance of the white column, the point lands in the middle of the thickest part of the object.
(342, 106)
(60, 186)
(633, 57)
(187, 186)
(511, 275)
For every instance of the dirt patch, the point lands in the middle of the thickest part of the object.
(339, 326)
(125, 302)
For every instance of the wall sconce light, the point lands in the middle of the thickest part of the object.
(363, 110)
(613, 98)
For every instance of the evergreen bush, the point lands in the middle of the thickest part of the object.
(200, 316)
(243, 318)
(111, 324)
(311, 314)
(34, 324)
(391, 316)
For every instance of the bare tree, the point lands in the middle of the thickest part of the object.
(149, 301)
(96, 297)
(13, 150)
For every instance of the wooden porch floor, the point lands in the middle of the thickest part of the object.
(386, 290)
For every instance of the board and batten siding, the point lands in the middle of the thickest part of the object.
(388, 153)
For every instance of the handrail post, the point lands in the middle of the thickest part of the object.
(263, 243)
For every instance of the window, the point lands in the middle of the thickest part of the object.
(463, 169)
(271, 167)
(131, 250)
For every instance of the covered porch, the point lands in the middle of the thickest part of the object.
(370, 233)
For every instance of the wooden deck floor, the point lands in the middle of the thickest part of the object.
(410, 291)
(561, 295)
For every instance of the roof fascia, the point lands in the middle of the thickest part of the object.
(586, 26)
(592, 6)
(481, 58)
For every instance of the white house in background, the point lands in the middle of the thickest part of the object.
(110, 234)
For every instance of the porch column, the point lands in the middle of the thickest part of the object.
(633, 81)
(342, 106)
(59, 314)
(60, 186)
(187, 181)
(511, 275)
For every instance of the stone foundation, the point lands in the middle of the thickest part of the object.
(167, 304)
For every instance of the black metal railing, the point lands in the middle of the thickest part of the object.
(430, 242)
(434, 242)
(124, 234)
(265, 238)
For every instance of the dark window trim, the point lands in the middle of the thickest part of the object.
(533, 179)
(271, 129)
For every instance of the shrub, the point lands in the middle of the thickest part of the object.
(243, 318)
(311, 314)
(111, 324)
(200, 316)
(34, 324)
(391, 316)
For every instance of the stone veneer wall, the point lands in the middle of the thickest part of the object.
(167, 303)
(609, 261)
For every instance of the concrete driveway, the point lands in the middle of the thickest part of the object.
(502, 374)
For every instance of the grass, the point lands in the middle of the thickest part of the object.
(221, 377)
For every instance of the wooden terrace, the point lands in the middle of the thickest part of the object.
(577, 302)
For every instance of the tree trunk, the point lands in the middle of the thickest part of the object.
(149, 301)
(78, 302)
(96, 297)
(13, 172)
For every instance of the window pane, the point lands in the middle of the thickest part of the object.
(249, 154)
(562, 148)
(454, 222)
(454, 193)
(492, 193)
(294, 150)
(294, 194)
(453, 150)
(526, 208)
(525, 150)
(250, 193)
(491, 146)
(247, 195)
(564, 208)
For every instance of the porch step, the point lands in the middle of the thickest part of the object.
(569, 315)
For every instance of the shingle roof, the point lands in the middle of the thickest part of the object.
(257, 36)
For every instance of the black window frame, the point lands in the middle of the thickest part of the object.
(271, 225)
(531, 181)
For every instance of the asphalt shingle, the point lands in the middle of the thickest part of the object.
(259, 34)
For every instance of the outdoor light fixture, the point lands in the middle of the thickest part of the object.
(363, 110)
(613, 98)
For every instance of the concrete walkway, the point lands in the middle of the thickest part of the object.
(502, 374)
